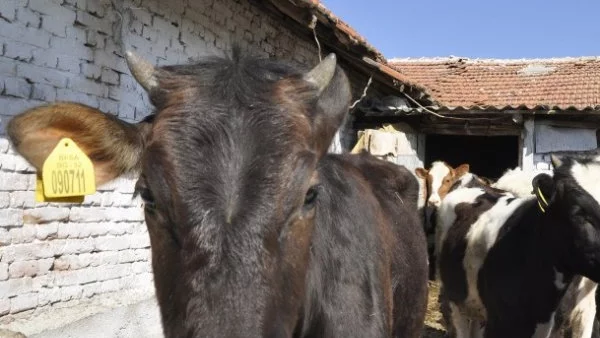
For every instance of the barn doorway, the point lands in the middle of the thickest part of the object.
(488, 156)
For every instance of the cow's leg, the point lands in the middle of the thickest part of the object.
(460, 322)
(476, 329)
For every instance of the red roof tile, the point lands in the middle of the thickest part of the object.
(459, 83)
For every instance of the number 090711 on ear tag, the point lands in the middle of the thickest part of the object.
(67, 172)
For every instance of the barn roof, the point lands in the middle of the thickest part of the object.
(457, 84)
(341, 38)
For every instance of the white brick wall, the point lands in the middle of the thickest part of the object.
(57, 254)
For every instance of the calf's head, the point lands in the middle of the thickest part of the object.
(571, 200)
(439, 180)
(227, 169)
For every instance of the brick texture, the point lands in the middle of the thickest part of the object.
(56, 254)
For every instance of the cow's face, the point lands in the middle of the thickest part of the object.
(439, 179)
(228, 179)
(573, 195)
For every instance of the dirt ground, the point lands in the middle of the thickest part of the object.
(433, 321)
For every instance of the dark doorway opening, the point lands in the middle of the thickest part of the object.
(488, 156)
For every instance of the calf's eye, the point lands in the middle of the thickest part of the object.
(311, 197)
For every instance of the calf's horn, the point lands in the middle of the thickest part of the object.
(321, 75)
(142, 70)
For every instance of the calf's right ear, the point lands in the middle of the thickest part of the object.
(544, 188)
(114, 146)
(421, 173)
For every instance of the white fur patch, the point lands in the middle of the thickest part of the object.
(559, 280)
(439, 170)
(588, 177)
(518, 182)
(480, 238)
(582, 317)
(446, 214)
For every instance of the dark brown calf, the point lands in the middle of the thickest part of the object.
(254, 231)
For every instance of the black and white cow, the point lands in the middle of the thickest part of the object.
(505, 262)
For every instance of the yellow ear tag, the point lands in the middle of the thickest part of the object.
(40, 197)
(67, 172)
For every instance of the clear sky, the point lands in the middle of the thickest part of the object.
(476, 28)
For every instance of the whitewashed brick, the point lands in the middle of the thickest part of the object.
(127, 256)
(4, 145)
(77, 3)
(14, 287)
(4, 304)
(28, 17)
(13, 181)
(111, 243)
(91, 71)
(86, 215)
(39, 74)
(41, 57)
(3, 271)
(86, 86)
(108, 106)
(97, 8)
(69, 64)
(125, 214)
(141, 267)
(46, 231)
(88, 275)
(69, 230)
(142, 255)
(4, 199)
(45, 215)
(17, 87)
(71, 95)
(49, 296)
(43, 92)
(14, 105)
(109, 286)
(63, 278)
(110, 76)
(110, 60)
(43, 281)
(54, 26)
(8, 12)
(11, 217)
(23, 302)
(28, 35)
(93, 200)
(53, 10)
(4, 239)
(113, 271)
(94, 23)
(97, 229)
(44, 266)
(72, 246)
(74, 47)
(28, 251)
(140, 241)
(23, 269)
(70, 293)
(22, 234)
(116, 228)
(91, 289)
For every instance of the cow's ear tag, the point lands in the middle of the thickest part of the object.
(67, 175)
(542, 202)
